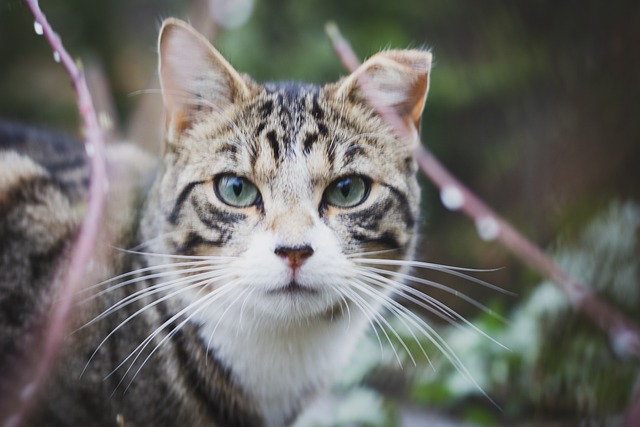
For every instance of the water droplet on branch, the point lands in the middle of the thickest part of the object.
(56, 56)
(488, 228)
(38, 28)
(451, 197)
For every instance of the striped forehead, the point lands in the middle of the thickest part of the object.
(289, 120)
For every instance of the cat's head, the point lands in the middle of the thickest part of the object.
(290, 181)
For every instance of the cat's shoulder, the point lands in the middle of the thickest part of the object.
(32, 158)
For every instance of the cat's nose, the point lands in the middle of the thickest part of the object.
(295, 255)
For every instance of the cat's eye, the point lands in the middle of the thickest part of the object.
(347, 192)
(236, 191)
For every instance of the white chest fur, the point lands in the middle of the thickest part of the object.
(281, 366)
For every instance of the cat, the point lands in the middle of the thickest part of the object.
(279, 222)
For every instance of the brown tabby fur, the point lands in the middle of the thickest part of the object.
(292, 141)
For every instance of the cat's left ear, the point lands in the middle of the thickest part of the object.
(397, 79)
(195, 78)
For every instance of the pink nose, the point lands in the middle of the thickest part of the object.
(295, 255)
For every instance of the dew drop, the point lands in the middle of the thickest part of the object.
(38, 28)
(56, 56)
(451, 197)
(624, 343)
(488, 228)
(28, 391)
(89, 149)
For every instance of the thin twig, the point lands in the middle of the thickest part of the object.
(86, 238)
(622, 331)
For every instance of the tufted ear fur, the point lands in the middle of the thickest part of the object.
(396, 79)
(194, 77)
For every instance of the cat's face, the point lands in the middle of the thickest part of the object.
(287, 183)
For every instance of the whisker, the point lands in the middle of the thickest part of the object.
(215, 328)
(175, 269)
(454, 271)
(141, 310)
(212, 258)
(368, 317)
(346, 305)
(148, 242)
(388, 304)
(440, 286)
(154, 289)
(203, 303)
(242, 309)
(377, 317)
(439, 342)
(366, 253)
(431, 304)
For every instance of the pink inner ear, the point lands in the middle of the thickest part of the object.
(195, 78)
(398, 80)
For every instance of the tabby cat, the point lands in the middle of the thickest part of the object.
(271, 234)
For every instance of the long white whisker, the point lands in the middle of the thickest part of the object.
(203, 266)
(203, 303)
(141, 310)
(244, 303)
(439, 343)
(454, 271)
(211, 258)
(429, 303)
(377, 317)
(156, 288)
(148, 242)
(346, 305)
(388, 304)
(440, 286)
(215, 328)
(367, 316)
(358, 255)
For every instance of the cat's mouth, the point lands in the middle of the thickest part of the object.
(293, 288)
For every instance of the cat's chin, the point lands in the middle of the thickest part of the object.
(294, 288)
(294, 303)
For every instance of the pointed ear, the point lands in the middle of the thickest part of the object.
(194, 77)
(396, 79)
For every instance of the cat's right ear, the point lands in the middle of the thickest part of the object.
(397, 80)
(194, 77)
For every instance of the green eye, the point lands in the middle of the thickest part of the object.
(347, 192)
(236, 191)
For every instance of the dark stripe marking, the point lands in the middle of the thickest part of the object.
(387, 240)
(211, 383)
(322, 129)
(316, 110)
(217, 219)
(266, 109)
(186, 191)
(273, 141)
(404, 204)
(194, 239)
(308, 142)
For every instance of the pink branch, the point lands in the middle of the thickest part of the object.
(623, 332)
(83, 247)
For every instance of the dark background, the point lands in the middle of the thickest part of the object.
(534, 104)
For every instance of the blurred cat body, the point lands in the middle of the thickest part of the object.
(244, 296)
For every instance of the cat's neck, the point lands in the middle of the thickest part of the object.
(281, 366)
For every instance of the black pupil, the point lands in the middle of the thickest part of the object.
(345, 187)
(237, 186)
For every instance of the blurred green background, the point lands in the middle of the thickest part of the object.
(535, 104)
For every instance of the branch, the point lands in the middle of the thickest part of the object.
(82, 250)
(624, 334)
